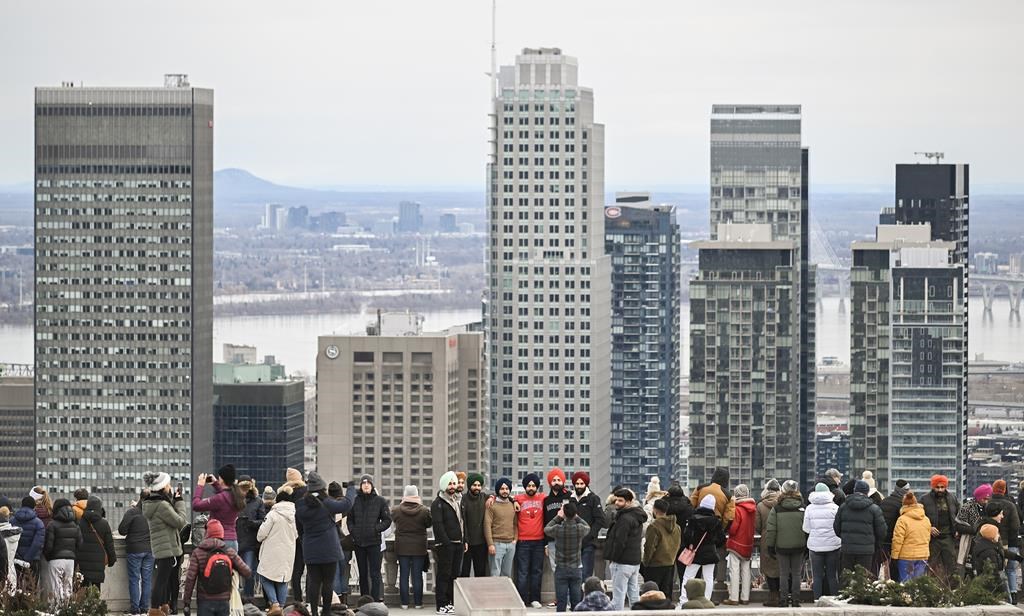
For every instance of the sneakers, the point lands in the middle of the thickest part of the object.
(405, 607)
(446, 610)
(536, 605)
(730, 602)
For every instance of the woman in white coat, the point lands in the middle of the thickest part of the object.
(277, 537)
(822, 542)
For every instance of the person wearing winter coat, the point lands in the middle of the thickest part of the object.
(446, 519)
(567, 530)
(861, 528)
(651, 595)
(622, 548)
(704, 534)
(474, 505)
(724, 509)
(557, 494)
(739, 547)
(588, 507)
(209, 602)
(225, 504)
(661, 546)
(10, 535)
(369, 518)
(787, 541)
(30, 542)
(989, 556)
(97, 551)
(822, 543)
(501, 528)
(967, 522)
(135, 530)
(81, 502)
(910, 539)
(680, 506)
(890, 507)
(246, 527)
(321, 546)
(63, 547)
(412, 519)
(595, 599)
(833, 480)
(699, 590)
(277, 536)
(1009, 532)
(165, 513)
(942, 510)
(43, 504)
(769, 564)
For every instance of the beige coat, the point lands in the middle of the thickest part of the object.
(277, 536)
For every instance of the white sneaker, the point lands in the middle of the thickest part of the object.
(536, 605)
(405, 607)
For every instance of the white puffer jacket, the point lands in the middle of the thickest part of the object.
(277, 537)
(818, 519)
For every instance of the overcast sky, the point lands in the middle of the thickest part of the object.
(395, 93)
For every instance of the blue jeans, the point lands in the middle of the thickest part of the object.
(625, 585)
(231, 543)
(825, 569)
(411, 566)
(530, 555)
(504, 556)
(1011, 571)
(568, 587)
(251, 558)
(910, 569)
(275, 592)
(341, 575)
(587, 554)
(140, 572)
(214, 608)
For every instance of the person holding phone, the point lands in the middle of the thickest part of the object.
(226, 503)
(135, 530)
(165, 512)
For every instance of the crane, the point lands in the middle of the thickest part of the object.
(938, 156)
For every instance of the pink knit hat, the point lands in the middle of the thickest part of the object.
(983, 492)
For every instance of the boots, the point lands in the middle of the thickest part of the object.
(773, 599)
(343, 597)
(155, 611)
(165, 609)
(275, 610)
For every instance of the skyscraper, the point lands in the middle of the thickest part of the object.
(644, 244)
(259, 427)
(549, 300)
(17, 415)
(410, 218)
(124, 259)
(759, 176)
(908, 346)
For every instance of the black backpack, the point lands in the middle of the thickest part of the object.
(216, 576)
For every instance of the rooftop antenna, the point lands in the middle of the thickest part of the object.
(494, 49)
(938, 156)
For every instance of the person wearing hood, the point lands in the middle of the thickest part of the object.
(276, 537)
(703, 534)
(822, 543)
(595, 599)
(30, 541)
(725, 509)
(769, 563)
(698, 589)
(209, 601)
(1009, 532)
(446, 518)
(680, 506)
(557, 494)
(567, 531)
(412, 519)
(622, 548)
(861, 528)
(739, 546)
(787, 542)
(989, 557)
(62, 548)
(588, 507)
(942, 509)
(10, 536)
(652, 598)
(246, 527)
(890, 507)
(501, 528)
(97, 551)
(135, 530)
(473, 504)
(369, 518)
(661, 546)
(81, 496)
(833, 479)
(321, 546)
(910, 539)
(165, 513)
(531, 542)
(371, 607)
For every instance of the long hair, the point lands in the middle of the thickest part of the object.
(45, 500)
(237, 496)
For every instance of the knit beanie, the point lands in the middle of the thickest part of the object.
(578, 475)
(648, 587)
(999, 486)
(983, 492)
(411, 492)
(366, 479)
(531, 477)
(992, 509)
(593, 584)
(29, 502)
(556, 472)
(472, 478)
(741, 491)
(156, 481)
(447, 478)
(850, 487)
(214, 529)
(820, 487)
(869, 478)
(293, 476)
(989, 532)
(909, 500)
(772, 485)
(939, 480)
(654, 485)
(902, 487)
(503, 481)
(675, 490)
(790, 486)
(861, 487)
(334, 490)
(284, 493)
(227, 474)
(268, 493)
(708, 502)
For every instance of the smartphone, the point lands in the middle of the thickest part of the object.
(181, 488)
(210, 478)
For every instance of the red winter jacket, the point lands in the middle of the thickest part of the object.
(741, 531)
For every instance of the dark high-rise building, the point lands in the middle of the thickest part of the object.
(17, 416)
(259, 427)
(123, 287)
(644, 244)
(832, 451)
(410, 218)
(759, 177)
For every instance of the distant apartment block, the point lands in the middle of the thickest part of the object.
(259, 427)
(17, 415)
(239, 354)
(410, 217)
(404, 408)
(123, 288)
(447, 224)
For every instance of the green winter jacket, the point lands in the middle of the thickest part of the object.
(786, 525)
(661, 542)
(165, 523)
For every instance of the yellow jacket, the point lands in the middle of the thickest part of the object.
(912, 534)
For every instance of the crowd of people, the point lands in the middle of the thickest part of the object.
(244, 538)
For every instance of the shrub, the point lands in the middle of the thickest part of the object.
(926, 591)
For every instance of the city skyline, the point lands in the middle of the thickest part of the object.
(872, 93)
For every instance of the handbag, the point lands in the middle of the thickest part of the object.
(687, 555)
(103, 546)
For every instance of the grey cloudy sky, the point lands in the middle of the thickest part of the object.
(394, 93)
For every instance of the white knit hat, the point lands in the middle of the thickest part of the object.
(156, 481)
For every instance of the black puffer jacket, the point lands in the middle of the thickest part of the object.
(860, 525)
(704, 521)
(370, 516)
(624, 541)
(680, 506)
(591, 510)
(890, 507)
(135, 528)
(838, 496)
(97, 552)
(445, 521)
(63, 537)
(248, 523)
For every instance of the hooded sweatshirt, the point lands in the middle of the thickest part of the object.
(277, 536)
(661, 542)
(531, 516)
(912, 535)
(819, 519)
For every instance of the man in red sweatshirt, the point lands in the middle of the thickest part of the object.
(530, 547)
(211, 602)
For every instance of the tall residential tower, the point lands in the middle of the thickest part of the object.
(123, 287)
(548, 306)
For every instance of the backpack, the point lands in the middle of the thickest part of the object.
(216, 576)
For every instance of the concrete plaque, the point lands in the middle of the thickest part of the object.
(490, 596)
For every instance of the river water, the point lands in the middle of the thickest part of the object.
(292, 339)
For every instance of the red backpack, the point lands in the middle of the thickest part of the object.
(216, 577)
